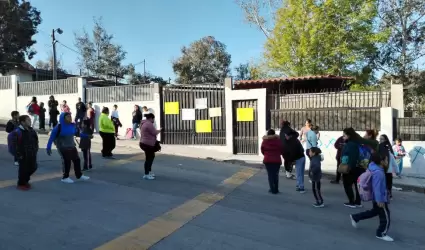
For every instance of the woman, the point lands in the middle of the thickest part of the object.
(350, 156)
(271, 148)
(91, 115)
(53, 111)
(386, 149)
(34, 111)
(149, 144)
(339, 145)
(116, 120)
(107, 132)
(137, 118)
(305, 129)
(288, 163)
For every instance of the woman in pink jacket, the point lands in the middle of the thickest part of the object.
(149, 144)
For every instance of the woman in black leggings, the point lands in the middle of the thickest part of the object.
(149, 144)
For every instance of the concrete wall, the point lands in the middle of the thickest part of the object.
(125, 110)
(8, 98)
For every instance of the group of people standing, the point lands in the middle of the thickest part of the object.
(356, 155)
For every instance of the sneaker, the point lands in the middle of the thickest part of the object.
(353, 222)
(152, 174)
(318, 204)
(350, 205)
(67, 180)
(309, 181)
(148, 177)
(385, 238)
(84, 169)
(359, 205)
(16, 163)
(301, 190)
(83, 178)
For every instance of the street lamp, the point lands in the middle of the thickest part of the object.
(54, 41)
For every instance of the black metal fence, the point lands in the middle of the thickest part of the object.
(245, 133)
(200, 117)
(411, 129)
(331, 111)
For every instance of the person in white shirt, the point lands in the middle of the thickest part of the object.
(116, 120)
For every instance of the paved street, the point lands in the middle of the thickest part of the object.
(193, 204)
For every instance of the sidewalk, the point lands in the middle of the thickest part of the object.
(406, 183)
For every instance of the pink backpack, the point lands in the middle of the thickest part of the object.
(364, 184)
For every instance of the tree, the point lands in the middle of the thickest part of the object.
(137, 78)
(18, 24)
(326, 37)
(260, 13)
(404, 21)
(204, 61)
(98, 54)
(48, 64)
(243, 72)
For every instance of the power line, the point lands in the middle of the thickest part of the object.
(65, 46)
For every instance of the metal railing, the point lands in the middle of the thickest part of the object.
(144, 92)
(5, 82)
(53, 87)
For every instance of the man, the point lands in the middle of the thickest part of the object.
(63, 136)
(81, 112)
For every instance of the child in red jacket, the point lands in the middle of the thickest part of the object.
(271, 148)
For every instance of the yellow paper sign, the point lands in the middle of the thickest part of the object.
(203, 126)
(244, 114)
(171, 108)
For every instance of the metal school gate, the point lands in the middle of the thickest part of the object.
(193, 114)
(245, 133)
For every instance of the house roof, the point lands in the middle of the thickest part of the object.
(290, 79)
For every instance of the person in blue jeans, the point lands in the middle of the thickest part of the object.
(137, 118)
(311, 138)
(294, 152)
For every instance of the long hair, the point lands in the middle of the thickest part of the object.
(373, 133)
(386, 145)
(351, 133)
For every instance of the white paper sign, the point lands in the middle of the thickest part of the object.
(188, 114)
(214, 112)
(201, 103)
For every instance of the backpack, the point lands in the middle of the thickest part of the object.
(30, 109)
(364, 156)
(13, 138)
(364, 184)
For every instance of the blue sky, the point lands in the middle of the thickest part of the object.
(154, 30)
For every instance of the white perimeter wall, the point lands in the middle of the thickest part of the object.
(125, 110)
(71, 99)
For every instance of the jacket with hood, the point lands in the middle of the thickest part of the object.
(148, 133)
(105, 124)
(286, 130)
(65, 138)
(137, 116)
(12, 125)
(27, 144)
(292, 149)
(350, 152)
(315, 170)
(81, 109)
(379, 187)
(271, 148)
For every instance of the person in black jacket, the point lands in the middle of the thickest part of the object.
(137, 118)
(86, 136)
(81, 109)
(53, 111)
(295, 153)
(285, 130)
(26, 152)
(11, 125)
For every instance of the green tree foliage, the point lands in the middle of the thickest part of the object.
(204, 61)
(334, 37)
(48, 64)
(18, 24)
(404, 21)
(243, 72)
(135, 77)
(99, 56)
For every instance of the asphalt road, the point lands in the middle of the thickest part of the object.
(193, 204)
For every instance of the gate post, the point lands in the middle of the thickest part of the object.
(81, 85)
(388, 115)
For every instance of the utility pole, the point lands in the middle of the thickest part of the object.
(144, 70)
(54, 41)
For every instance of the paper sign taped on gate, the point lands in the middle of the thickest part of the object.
(203, 126)
(171, 108)
(244, 114)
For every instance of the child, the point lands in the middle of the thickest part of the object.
(26, 152)
(116, 120)
(379, 198)
(315, 174)
(271, 148)
(42, 117)
(11, 125)
(85, 144)
(399, 153)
